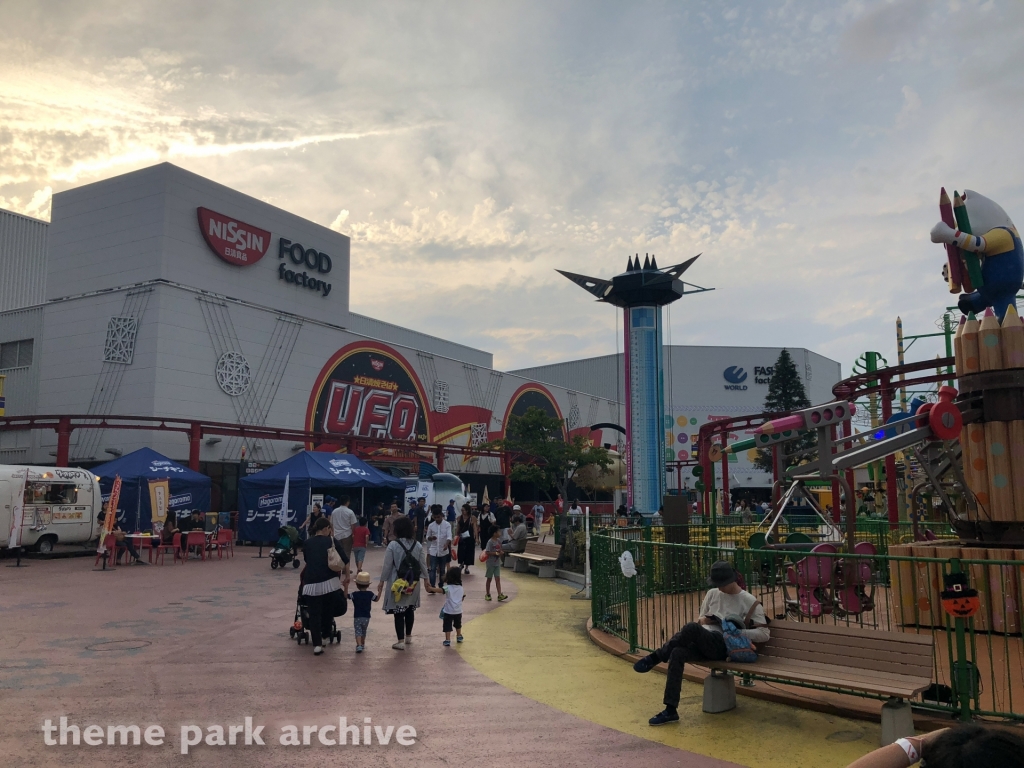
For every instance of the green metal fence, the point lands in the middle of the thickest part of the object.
(978, 662)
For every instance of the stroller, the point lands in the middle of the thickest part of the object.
(286, 549)
(300, 628)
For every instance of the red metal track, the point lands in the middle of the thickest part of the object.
(196, 430)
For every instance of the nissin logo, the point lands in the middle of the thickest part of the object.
(234, 241)
(735, 376)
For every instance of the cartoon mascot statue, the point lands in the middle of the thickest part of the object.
(984, 251)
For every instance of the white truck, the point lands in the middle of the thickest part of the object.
(62, 505)
(439, 489)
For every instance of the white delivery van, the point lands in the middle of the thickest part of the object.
(62, 505)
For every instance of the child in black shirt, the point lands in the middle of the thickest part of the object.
(362, 600)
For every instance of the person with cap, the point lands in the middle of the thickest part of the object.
(702, 640)
(518, 535)
(362, 602)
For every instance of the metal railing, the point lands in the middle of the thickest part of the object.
(978, 666)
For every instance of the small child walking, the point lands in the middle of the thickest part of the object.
(451, 613)
(362, 600)
(360, 534)
(494, 553)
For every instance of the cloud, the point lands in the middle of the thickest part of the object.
(470, 150)
(877, 33)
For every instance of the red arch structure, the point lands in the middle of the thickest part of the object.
(197, 430)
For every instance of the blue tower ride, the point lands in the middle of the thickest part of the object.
(641, 292)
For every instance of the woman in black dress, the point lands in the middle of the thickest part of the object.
(483, 525)
(319, 583)
(465, 533)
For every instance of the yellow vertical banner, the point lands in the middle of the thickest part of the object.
(159, 498)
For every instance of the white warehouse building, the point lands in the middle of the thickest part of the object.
(702, 384)
(161, 294)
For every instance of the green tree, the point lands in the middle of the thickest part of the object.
(541, 455)
(786, 394)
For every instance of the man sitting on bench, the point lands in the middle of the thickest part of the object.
(703, 640)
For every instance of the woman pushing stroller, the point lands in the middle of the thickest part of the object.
(321, 584)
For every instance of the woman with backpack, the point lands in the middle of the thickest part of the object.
(403, 574)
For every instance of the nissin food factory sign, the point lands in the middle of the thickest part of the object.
(234, 241)
(242, 245)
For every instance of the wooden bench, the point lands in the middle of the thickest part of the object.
(541, 555)
(895, 666)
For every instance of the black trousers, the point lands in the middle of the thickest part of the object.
(403, 623)
(452, 620)
(125, 545)
(691, 643)
(320, 617)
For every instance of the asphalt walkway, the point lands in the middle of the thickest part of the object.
(207, 644)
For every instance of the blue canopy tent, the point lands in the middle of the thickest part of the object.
(259, 495)
(188, 490)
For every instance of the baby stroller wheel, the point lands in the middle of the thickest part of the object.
(291, 632)
(295, 563)
(273, 564)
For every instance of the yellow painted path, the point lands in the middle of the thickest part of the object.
(537, 645)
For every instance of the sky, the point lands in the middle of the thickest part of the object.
(469, 149)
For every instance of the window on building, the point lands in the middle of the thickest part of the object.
(16, 354)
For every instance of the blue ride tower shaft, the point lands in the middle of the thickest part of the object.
(641, 292)
(645, 408)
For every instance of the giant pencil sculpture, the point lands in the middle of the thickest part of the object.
(997, 437)
(963, 223)
(1013, 357)
(974, 451)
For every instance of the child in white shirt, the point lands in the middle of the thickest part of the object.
(451, 613)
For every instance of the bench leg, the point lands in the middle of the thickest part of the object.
(897, 721)
(509, 562)
(546, 570)
(520, 565)
(719, 692)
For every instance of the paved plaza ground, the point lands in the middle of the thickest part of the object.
(207, 643)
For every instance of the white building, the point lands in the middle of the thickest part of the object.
(702, 384)
(159, 293)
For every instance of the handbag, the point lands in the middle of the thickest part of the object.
(334, 561)
(338, 603)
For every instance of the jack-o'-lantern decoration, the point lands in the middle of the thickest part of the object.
(958, 599)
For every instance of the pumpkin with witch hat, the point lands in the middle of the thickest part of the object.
(959, 600)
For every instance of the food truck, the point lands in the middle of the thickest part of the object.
(61, 505)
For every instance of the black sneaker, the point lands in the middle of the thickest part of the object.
(664, 717)
(646, 664)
